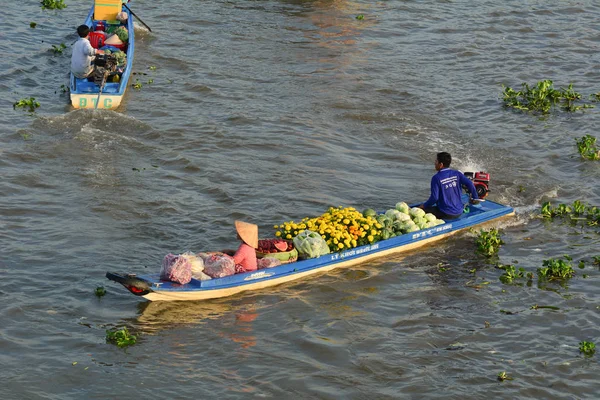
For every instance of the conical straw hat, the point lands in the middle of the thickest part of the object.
(248, 232)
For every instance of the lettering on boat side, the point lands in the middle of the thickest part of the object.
(258, 275)
(429, 232)
(353, 252)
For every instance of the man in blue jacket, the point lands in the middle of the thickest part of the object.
(446, 190)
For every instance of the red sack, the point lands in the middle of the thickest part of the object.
(267, 262)
(176, 269)
(218, 265)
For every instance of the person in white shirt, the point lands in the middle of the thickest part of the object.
(83, 54)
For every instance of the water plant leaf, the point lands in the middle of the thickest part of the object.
(31, 104)
(587, 348)
(53, 4)
(586, 146)
(488, 242)
(121, 337)
(542, 98)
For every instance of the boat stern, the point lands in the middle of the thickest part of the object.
(107, 101)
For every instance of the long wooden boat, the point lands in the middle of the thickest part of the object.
(84, 92)
(153, 289)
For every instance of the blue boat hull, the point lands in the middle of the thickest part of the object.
(152, 288)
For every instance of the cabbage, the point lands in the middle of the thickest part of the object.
(412, 228)
(402, 207)
(419, 220)
(403, 217)
(391, 214)
(439, 222)
(430, 217)
(416, 212)
(310, 244)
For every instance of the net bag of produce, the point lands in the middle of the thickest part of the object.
(197, 264)
(176, 269)
(267, 262)
(310, 245)
(218, 265)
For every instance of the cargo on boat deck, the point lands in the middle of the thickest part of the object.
(107, 9)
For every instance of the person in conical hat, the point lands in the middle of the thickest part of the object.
(245, 256)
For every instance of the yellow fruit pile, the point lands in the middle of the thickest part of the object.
(342, 228)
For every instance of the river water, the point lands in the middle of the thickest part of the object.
(274, 110)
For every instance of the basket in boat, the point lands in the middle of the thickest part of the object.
(283, 256)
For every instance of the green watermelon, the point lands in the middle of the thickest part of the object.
(369, 212)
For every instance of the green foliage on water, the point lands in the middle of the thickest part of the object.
(577, 211)
(137, 85)
(100, 291)
(503, 376)
(542, 98)
(58, 49)
(488, 242)
(587, 348)
(556, 269)
(32, 24)
(360, 17)
(31, 104)
(120, 337)
(587, 147)
(53, 4)
(512, 274)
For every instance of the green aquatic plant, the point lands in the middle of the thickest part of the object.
(512, 273)
(587, 348)
(32, 24)
(58, 49)
(29, 103)
(556, 269)
(121, 337)
(53, 4)
(360, 17)
(587, 147)
(541, 97)
(488, 242)
(100, 291)
(503, 376)
(577, 211)
(137, 85)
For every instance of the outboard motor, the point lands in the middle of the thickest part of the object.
(481, 180)
(105, 65)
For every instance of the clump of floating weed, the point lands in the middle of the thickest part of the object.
(121, 337)
(29, 103)
(587, 348)
(503, 376)
(512, 273)
(556, 269)
(587, 148)
(577, 211)
(542, 97)
(488, 242)
(53, 4)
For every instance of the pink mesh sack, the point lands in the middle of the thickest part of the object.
(218, 265)
(176, 269)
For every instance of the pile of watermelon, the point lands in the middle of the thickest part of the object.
(267, 246)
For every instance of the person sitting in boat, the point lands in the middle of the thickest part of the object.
(446, 190)
(245, 256)
(83, 54)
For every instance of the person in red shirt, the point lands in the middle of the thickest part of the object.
(245, 256)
